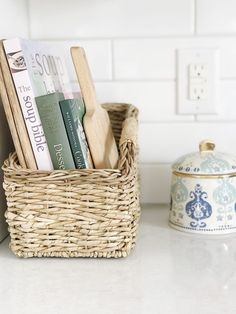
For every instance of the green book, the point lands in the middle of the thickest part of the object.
(73, 111)
(55, 131)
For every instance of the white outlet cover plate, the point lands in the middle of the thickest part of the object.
(186, 57)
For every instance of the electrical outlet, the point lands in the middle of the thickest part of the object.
(198, 92)
(198, 70)
(197, 81)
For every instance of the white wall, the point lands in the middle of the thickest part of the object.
(131, 46)
(13, 18)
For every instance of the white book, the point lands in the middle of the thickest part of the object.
(36, 70)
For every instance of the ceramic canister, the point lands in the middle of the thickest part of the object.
(203, 192)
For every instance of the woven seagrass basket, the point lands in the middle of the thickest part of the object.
(77, 213)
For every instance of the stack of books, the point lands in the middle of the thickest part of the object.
(44, 116)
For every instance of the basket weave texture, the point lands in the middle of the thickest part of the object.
(77, 213)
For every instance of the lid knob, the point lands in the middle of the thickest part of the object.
(206, 145)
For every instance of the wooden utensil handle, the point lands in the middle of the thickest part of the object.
(85, 79)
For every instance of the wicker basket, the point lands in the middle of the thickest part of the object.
(77, 213)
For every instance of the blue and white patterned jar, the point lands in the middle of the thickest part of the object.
(203, 192)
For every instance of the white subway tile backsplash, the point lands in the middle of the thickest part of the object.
(98, 53)
(13, 18)
(164, 142)
(155, 183)
(131, 47)
(216, 16)
(226, 108)
(101, 18)
(144, 58)
(228, 57)
(155, 100)
(156, 58)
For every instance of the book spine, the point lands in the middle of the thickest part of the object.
(25, 93)
(55, 131)
(9, 115)
(75, 133)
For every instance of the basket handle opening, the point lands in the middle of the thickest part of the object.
(128, 145)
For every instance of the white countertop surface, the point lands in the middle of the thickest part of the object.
(168, 272)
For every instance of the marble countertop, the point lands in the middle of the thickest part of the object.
(168, 272)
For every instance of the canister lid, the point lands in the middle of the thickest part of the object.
(206, 162)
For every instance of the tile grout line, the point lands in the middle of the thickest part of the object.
(150, 80)
(133, 80)
(158, 80)
(135, 37)
(159, 122)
